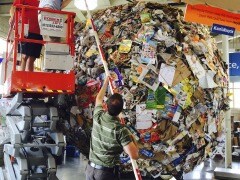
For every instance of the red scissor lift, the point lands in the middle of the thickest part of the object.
(37, 82)
(34, 141)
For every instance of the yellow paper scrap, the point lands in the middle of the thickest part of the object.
(125, 46)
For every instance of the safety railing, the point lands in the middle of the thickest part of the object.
(19, 15)
(40, 82)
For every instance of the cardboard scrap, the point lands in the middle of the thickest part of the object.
(181, 72)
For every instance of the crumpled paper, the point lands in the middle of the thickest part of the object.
(177, 130)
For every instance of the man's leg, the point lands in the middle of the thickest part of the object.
(30, 63)
(23, 62)
(89, 172)
(103, 175)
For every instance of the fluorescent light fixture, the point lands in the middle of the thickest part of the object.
(80, 4)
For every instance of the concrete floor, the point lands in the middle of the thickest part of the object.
(205, 170)
(74, 169)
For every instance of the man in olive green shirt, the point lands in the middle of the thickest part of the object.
(109, 138)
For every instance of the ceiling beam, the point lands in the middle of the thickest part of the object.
(5, 3)
(4, 9)
(4, 27)
(117, 2)
(230, 38)
(4, 15)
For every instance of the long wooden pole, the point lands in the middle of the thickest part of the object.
(105, 65)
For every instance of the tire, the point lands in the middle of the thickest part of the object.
(58, 159)
(1, 155)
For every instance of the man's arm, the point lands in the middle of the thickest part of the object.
(101, 94)
(132, 150)
(129, 143)
(11, 12)
(13, 9)
(65, 3)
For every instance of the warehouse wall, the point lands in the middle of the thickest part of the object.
(234, 42)
(4, 27)
(4, 16)
(236, 113)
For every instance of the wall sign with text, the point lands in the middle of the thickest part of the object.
(234, 65)
(220, 29)
(209, 15)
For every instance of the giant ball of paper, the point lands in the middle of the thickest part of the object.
(170, 75)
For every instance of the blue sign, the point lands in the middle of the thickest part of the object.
(220, 29)
(234, 66)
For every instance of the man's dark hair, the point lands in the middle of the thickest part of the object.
(115, 104)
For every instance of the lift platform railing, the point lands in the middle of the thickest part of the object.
(19, 37)
(16, 35)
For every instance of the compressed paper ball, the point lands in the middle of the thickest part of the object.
(171, 77)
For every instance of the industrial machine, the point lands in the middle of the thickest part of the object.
(34, 140)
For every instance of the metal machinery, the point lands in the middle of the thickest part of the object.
(34, 139)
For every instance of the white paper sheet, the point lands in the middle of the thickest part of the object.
(207, 81)
(212, 127)
(166, 74)
(143, 117)
(195, 66)
(176, 116)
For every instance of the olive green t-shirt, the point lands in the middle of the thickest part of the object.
(108, 138)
